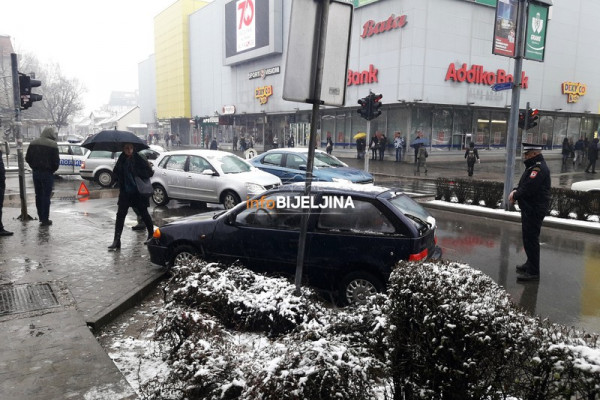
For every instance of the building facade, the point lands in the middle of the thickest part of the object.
(430, 59)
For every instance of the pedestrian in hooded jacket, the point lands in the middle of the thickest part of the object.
(3, 232)
(42, 157)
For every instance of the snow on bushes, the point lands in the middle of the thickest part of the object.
(443, 330)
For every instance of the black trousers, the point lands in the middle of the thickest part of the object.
(138, 202)
(531, 225)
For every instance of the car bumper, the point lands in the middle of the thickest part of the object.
(86, 175)
(158, 253)
(437, 253)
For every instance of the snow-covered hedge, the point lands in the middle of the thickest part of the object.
(442, 331)
(456, 335)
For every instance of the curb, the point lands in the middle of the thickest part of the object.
(511, 216)
(125, 302)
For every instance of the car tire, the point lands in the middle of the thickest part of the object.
(183, 255)
(229, 199)
(159, 195)
(357, 286)
(105, 178)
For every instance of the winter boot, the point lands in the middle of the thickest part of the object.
(150, 235)
(116, 244)
(140, 225)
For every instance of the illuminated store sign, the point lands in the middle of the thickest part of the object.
(478, 75)
(360, 78)
(573, 91)
(371, 27)
(262, 93)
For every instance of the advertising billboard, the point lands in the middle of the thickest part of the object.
(505, 28)
(253, 28)
(535, 39)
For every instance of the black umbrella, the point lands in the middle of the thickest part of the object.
(113, 140)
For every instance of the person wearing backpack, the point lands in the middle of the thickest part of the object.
(472, 156)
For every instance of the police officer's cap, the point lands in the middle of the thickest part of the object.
(530, 146)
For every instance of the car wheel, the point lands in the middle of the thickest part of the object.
(356, 287)
(183, 255)
(104, 178)
(159, 195)
(229, 199)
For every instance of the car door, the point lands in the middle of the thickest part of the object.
(273, 163)
(269, 235)
(201, 181)
(79, 154)
(363, 237)
(295, 168)
(173, 175)
(66, 165)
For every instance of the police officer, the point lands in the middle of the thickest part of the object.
(533, 196)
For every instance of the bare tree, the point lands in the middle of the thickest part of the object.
(62, 98)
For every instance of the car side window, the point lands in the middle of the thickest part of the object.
(198, 164)
(63, 149)
(294, 161)
(364, 218)
(176, 163)
(260, 213)
(101, 154)
(77, 151)
(273, 159)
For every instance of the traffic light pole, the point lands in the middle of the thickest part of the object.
(17, 126)
(511, 140)
(368, 140)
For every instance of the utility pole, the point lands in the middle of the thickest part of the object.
(17, 126)
(511, 140)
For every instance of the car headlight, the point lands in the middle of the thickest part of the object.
(254, 188)
(341, 180)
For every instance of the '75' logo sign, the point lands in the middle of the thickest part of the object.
(246, 34)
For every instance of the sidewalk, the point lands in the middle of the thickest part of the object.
(56, 284)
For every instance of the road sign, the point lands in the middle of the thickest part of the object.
(501, 86)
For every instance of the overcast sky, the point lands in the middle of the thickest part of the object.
(100, 43)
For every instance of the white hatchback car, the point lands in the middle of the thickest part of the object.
(207, 176)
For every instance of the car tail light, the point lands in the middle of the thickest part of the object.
(83, 164)
(156, 234)
(418, 256)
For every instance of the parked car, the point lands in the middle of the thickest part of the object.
(351, 245)
(207, 176)
(289, 164)
(71, 156)
(99, 164)
(592, 185)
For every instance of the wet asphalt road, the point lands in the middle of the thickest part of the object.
(568, 293)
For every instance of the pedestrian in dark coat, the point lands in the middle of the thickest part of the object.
(472, 156)
(373, 145)
(42, 156)
(361, 144)
(566, 150)
(592, 156)
(129, 165)
(533, 196)
(3, 232)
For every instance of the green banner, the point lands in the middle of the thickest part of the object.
(360, 3)
(535, 38)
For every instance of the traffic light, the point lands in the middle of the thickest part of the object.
(522, 119)
(532, 118)
(375, 105)
(365, 108)
(25, 85)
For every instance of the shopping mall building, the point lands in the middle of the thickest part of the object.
(430, 59)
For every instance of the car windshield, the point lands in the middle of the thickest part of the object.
(233, 165)
(324, 159)
(413, 210)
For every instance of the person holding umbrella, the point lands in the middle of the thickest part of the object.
(130, 165)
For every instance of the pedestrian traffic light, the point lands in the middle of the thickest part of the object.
(522, 119)
(25, 85)
(532, 118)
(375, 105)
(365, 108)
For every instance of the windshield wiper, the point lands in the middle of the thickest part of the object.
(217, 215)
(419, 220)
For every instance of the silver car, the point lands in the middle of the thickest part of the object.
(207, 176)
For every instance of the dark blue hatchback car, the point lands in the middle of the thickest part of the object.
(356, 234)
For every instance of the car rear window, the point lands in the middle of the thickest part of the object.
(413, 210)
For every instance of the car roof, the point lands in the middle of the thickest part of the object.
(199, 152)
(302, 150)
(357, 188)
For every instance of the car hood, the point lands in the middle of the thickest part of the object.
(351, 174)
(255, 176)
(193, 226)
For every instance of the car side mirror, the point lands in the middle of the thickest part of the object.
(302, 167)
(208, 172)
